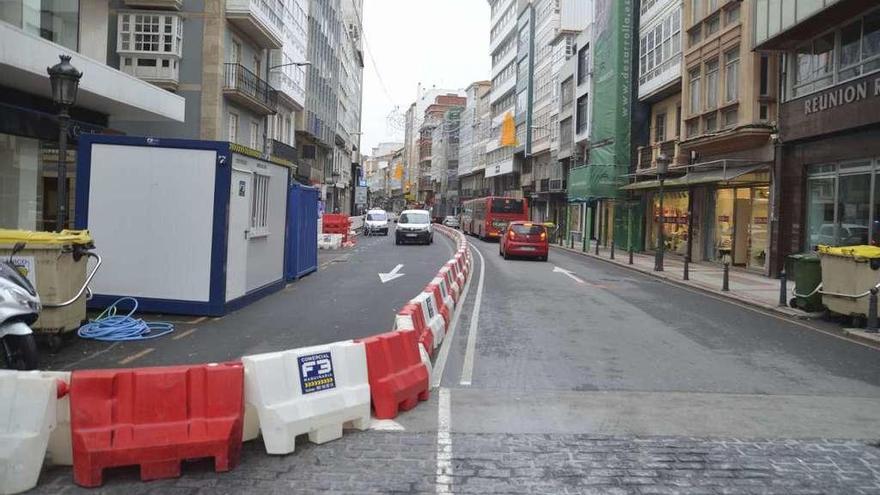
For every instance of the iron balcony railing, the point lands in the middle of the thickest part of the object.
(241, 80)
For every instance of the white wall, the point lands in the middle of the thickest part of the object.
(151, 213)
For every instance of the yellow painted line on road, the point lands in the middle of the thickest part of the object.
(197, 320)
(184, 334)
(137, 355)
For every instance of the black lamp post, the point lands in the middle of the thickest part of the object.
(65, 82)
(662, 169)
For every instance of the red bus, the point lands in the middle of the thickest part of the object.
(488, 217)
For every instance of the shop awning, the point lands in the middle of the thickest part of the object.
(719, 175)
(697, 177)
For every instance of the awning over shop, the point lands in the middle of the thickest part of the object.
(693, 177)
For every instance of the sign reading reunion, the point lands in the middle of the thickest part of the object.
(843, 95)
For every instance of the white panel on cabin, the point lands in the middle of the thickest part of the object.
(151, 213)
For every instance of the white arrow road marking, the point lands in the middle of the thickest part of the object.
(393, 274)
(569, 274)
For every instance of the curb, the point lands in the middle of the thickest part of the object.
(843, 333)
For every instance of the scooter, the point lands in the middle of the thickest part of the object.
(19, 308)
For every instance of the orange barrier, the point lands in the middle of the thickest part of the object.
(398, 378)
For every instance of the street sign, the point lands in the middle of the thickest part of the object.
(360, 195)
(362, 182)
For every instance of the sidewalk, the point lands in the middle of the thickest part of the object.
(749, 288)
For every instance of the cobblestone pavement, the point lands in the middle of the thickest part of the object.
(405, 463)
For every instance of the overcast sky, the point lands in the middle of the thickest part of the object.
(435, 42)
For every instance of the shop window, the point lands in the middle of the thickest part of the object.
(674, 219)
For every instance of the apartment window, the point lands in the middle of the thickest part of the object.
(713, 25)
(255, 135)
(583, 113)
(149, 33)
(258, 66)
(733, 14)
(288, 131)
(731, 117)
(660, 47)
(567, 93)
(678, 121)
(692, 128)
(696, 10)
(764, 112)
(712, 122)
(583, 66)
(236, 52)
(713, 4)
(260, 206)
(56, 21)
(695, 36)
(731, 70)
(711, 84)
(660, 128)
(232, 128)
(764, 83)
(814, 65)
(694, 89)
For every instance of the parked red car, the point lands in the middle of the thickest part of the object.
(525, 239)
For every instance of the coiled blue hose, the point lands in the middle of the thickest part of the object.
(109, 327)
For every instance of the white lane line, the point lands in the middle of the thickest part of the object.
(443, 481)
(440, 365)
(467, 369)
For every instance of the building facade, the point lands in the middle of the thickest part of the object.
(473, 136)
(445, 144)
(503, 48)
(827, 148)
(34, 36)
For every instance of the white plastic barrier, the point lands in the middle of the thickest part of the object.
(27, 417)
(330, 241)
(446, 273)
(426, 360)
(433, 318)
(447, 297)
(314, 390)
(60, 450)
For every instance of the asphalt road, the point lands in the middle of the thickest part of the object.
(600, 381)
(344, 299)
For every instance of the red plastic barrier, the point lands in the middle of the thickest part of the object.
(447, 275)
(332, 223)
(155, 418)
(398, 378)
(441, 304)
(426, 338)
(459, 275)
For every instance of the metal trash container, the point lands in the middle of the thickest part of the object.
(56, 264)
(806, 270)
(848, 274)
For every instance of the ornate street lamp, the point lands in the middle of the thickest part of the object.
(65, 83)
(662, 169)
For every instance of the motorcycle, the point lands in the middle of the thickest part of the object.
(19, 308)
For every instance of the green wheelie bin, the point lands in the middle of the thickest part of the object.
(807, 272)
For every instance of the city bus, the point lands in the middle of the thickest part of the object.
(487, 218)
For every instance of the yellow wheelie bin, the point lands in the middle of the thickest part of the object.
(57, 264)
(848, 275)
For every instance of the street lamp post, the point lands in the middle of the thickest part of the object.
(662, 169)
(65, 82)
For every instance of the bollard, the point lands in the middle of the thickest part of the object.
(783, 289)
(597, 247)
(630, 255)
(687, 268)
(612, 249)
(872, 312)
(725, 282)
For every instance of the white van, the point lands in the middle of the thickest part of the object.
(376, 221)
(414, 226)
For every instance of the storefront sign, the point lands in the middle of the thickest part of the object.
(843, 95)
